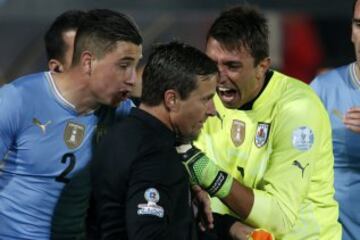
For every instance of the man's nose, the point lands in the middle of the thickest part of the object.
(211, 109)
(222, 73)
(133, 78)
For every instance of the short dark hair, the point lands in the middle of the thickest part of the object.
(173, 66)
(54, 42)
(242, 26)
(101, 30)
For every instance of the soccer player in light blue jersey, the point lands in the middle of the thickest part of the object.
(47, 125)
(339, 89)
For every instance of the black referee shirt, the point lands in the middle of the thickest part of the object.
(140, 186)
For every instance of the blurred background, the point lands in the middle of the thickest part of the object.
(306, 36)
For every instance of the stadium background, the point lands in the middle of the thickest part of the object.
(306, 36)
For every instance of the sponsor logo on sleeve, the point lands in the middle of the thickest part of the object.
(303, 138)
(152, 196)
(262, 134)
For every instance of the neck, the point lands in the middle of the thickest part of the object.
(160, 112)
(74, 88)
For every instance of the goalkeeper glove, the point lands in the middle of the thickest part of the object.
(204, 172)
(261, 234)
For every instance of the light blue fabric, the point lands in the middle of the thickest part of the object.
(43, 144)
(339, 90)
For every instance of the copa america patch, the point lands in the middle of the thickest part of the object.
(303, 138)
(152, 196)
(262, 134)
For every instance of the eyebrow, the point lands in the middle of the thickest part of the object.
(356, 20)
(232, 62)
(127, 59)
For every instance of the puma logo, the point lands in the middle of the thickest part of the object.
(298, 164)
(40, 125)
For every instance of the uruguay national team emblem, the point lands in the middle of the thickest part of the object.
(262, 134)
(303, 138)
(237, 132)
(74, 135)
(152, 196)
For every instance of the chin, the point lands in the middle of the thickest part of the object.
(230, 105)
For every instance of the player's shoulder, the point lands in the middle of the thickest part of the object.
(30, 80)
(333, 76)
(295, 94)
(290, 88)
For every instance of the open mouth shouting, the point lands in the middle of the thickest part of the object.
(229, 96)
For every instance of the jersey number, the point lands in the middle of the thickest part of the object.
(70, 160)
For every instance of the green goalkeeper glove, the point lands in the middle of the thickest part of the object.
(204, 172)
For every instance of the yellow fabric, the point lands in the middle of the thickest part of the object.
(283, 149)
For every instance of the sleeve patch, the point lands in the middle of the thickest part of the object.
(152, 196)
(303, 138)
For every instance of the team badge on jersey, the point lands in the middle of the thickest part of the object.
(262, 134)
(237, 132)
(152, 196)
(303, 138)
(74, 135)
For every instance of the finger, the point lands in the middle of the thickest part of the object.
(354, 128)
(354, 110)
(351, 121)
(352, 114)
(202, 227)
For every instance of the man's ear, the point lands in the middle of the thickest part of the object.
(86, 61)
(55, 66)
(262, 67)
(171, 100)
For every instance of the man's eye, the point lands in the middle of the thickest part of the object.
(124, 65)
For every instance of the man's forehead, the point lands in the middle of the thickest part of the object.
(128, 50)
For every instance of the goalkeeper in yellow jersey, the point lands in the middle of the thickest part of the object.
(270, 141)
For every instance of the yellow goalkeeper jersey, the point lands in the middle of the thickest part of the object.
(282, 149)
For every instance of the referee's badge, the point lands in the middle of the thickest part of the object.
(152, 196)
(237, 132)
(74, 134)
(262, 134)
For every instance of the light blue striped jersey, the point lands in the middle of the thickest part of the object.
(339, 90)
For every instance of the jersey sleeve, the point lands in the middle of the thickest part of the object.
(10, 109)
(149, 209)
(300, 140)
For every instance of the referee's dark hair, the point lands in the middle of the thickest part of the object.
(242, 26)
(101, 30)
(54, 41)
(174, 66)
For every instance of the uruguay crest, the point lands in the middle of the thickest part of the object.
(74, 135)
(237, 132)
(262, 134)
